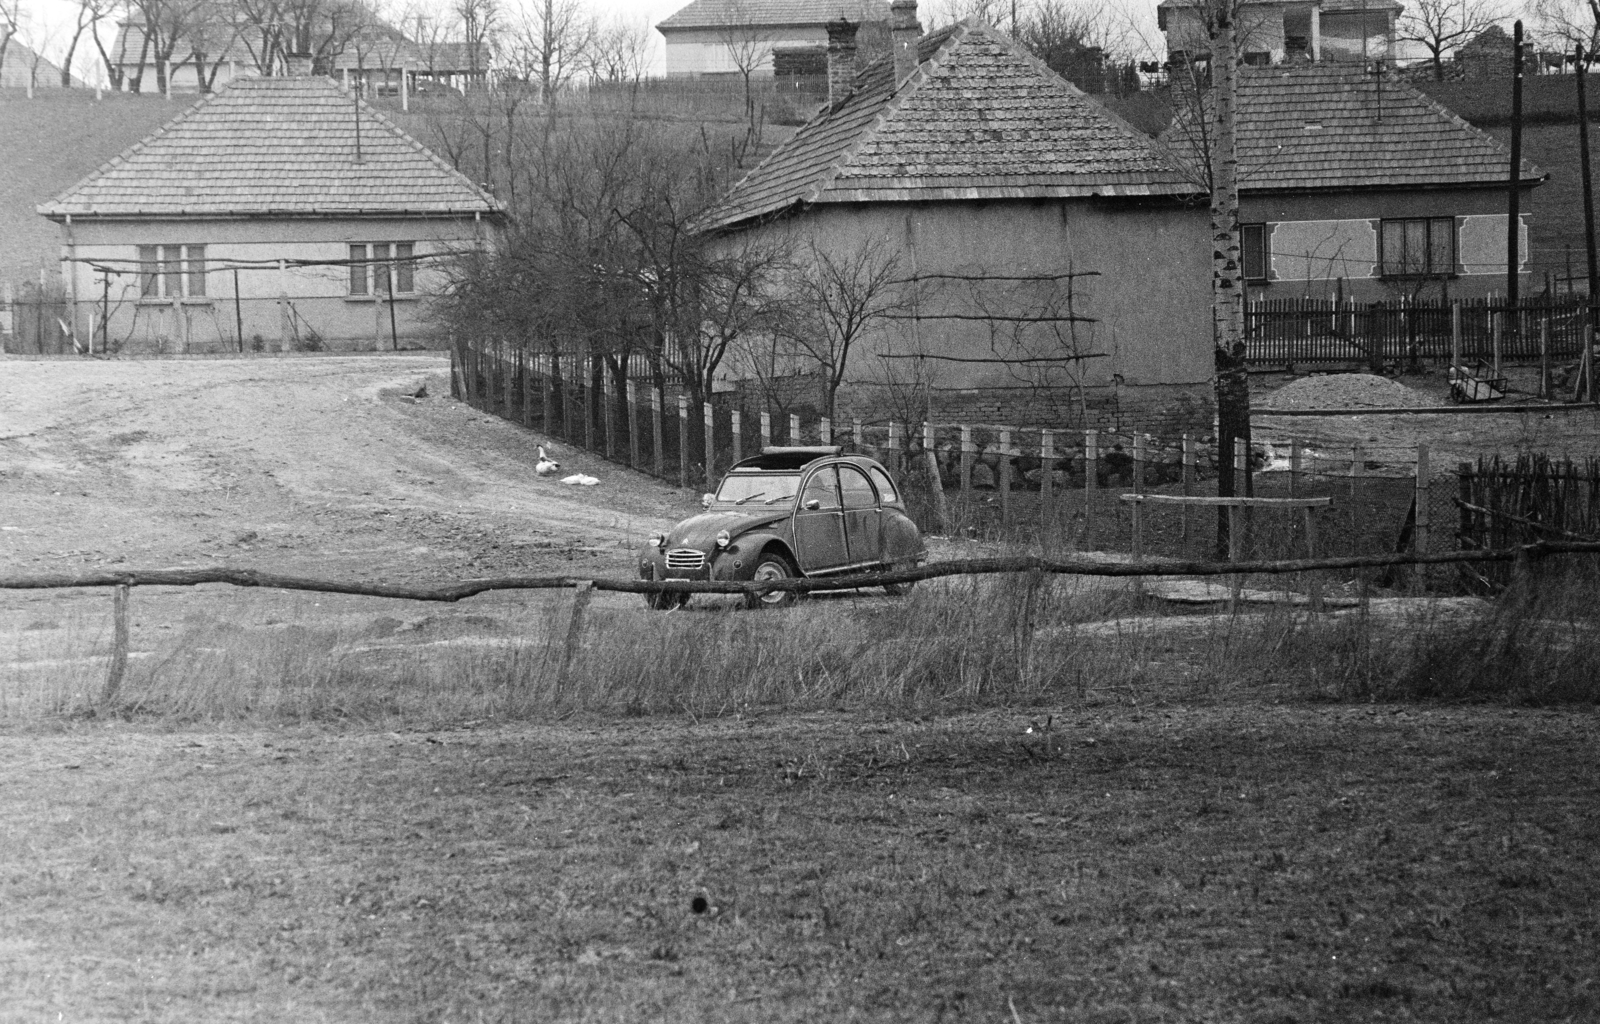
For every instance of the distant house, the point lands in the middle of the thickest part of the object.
(20, 65)
(1360, 185)
(276, 213)
(376, 55)
(1061, 260)
(769, 37)
(1489, 54)
(1272, 32)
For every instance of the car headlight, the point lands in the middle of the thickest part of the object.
(658, 540)
(723, 539)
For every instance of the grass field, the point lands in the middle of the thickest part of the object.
(1241, 862)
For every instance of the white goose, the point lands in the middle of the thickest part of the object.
(546, 466)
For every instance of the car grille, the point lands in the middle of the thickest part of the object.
(685, 558)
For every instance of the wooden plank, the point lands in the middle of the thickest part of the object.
(1234, 502)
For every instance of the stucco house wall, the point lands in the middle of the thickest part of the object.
(298, 307)
(1315, 241)
(709, 51)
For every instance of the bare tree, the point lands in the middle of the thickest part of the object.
(39, 41)
(12, 17)
(479, 23)
(840, 297)
(620, 50)
(89, 13)
(548, 45)
(115, 63)
(749, 48)
(166, 24)
(1441, 24)
(1569, 23)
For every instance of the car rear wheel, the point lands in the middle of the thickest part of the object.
(899, 589)
(772, 566)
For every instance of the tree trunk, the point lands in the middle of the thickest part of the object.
(1227, 283)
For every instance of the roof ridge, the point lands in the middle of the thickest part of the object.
(898, 95)
(1053, 77)
(134, 149)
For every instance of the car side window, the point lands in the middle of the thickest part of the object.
(885, 486)
(823, 488)
(856, 488)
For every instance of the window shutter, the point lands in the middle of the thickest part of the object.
(1442, 245)
(149, 262)
(171, 271)
(197, 271)
(358, 270)
(403, 280)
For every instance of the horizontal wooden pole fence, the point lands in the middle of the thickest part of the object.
(932, 570)
(1478, 409)
(1229, 502)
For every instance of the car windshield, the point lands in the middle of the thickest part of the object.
(758, 488)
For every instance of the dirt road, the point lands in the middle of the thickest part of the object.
(322, 466)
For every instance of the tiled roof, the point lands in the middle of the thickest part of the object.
(1332, 126)
(379, 46)
(980, 119)
(720, 13)
(274, 146)
(1325, 6)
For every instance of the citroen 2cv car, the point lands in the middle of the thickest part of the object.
(788, 512)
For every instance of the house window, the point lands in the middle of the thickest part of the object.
(1418, 247)
(373, 273)
(172, 271)
(1257, 257)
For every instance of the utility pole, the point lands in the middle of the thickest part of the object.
(1588, 195)
(1514, 217)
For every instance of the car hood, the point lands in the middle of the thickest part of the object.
(701, 531)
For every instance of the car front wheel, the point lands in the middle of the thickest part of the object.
(663, 601)
(771, 567)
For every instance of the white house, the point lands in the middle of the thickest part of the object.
(276, 213)
(727, 37)
(1272, 31)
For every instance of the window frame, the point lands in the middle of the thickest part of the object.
(168, 272)
(1265, 251)
(1433, 267)
(392, 260)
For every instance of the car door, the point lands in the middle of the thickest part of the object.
(862, 529)
(819, 523)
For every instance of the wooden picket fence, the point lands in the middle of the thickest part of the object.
(1307, 330)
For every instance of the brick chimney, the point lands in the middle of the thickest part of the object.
(905, 32)
(841, 59)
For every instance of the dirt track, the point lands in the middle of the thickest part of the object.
(318, 466)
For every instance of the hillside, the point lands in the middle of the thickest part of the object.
(51, 142)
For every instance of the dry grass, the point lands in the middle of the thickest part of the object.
(1010, 642)
(1222, 863)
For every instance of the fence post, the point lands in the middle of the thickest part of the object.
(736, 419)
(1465, 535)
(893, 452)
(1544, 357)
(966, 463)
(710, 446)
(1296, 454)
(526, 358)
(683, 440)
(1188, 485)
(1498, 321)
(1424, 519)
(1138, 463)
(858, 434)
(588, 407)
(495, 382)
(657, 400)
(1091, 472)
(608, 392)
(1047, 470)
(1455, 334)
(631, 394)
(119, 644)
(825, 430)
(511, 386)
(766, 429)
(794, 428)
(548, 396)
(934, 478)
(1005, 476)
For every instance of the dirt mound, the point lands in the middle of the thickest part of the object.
(1344, 391)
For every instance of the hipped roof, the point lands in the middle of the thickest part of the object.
(280, 147)
(980, 118)
(736, 13)
(1334, 126)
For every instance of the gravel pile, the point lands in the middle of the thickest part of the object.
(1344, 391)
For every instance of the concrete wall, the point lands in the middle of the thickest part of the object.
(708, 51)
(1316, 241)
(320, 312)
(1146, 286)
